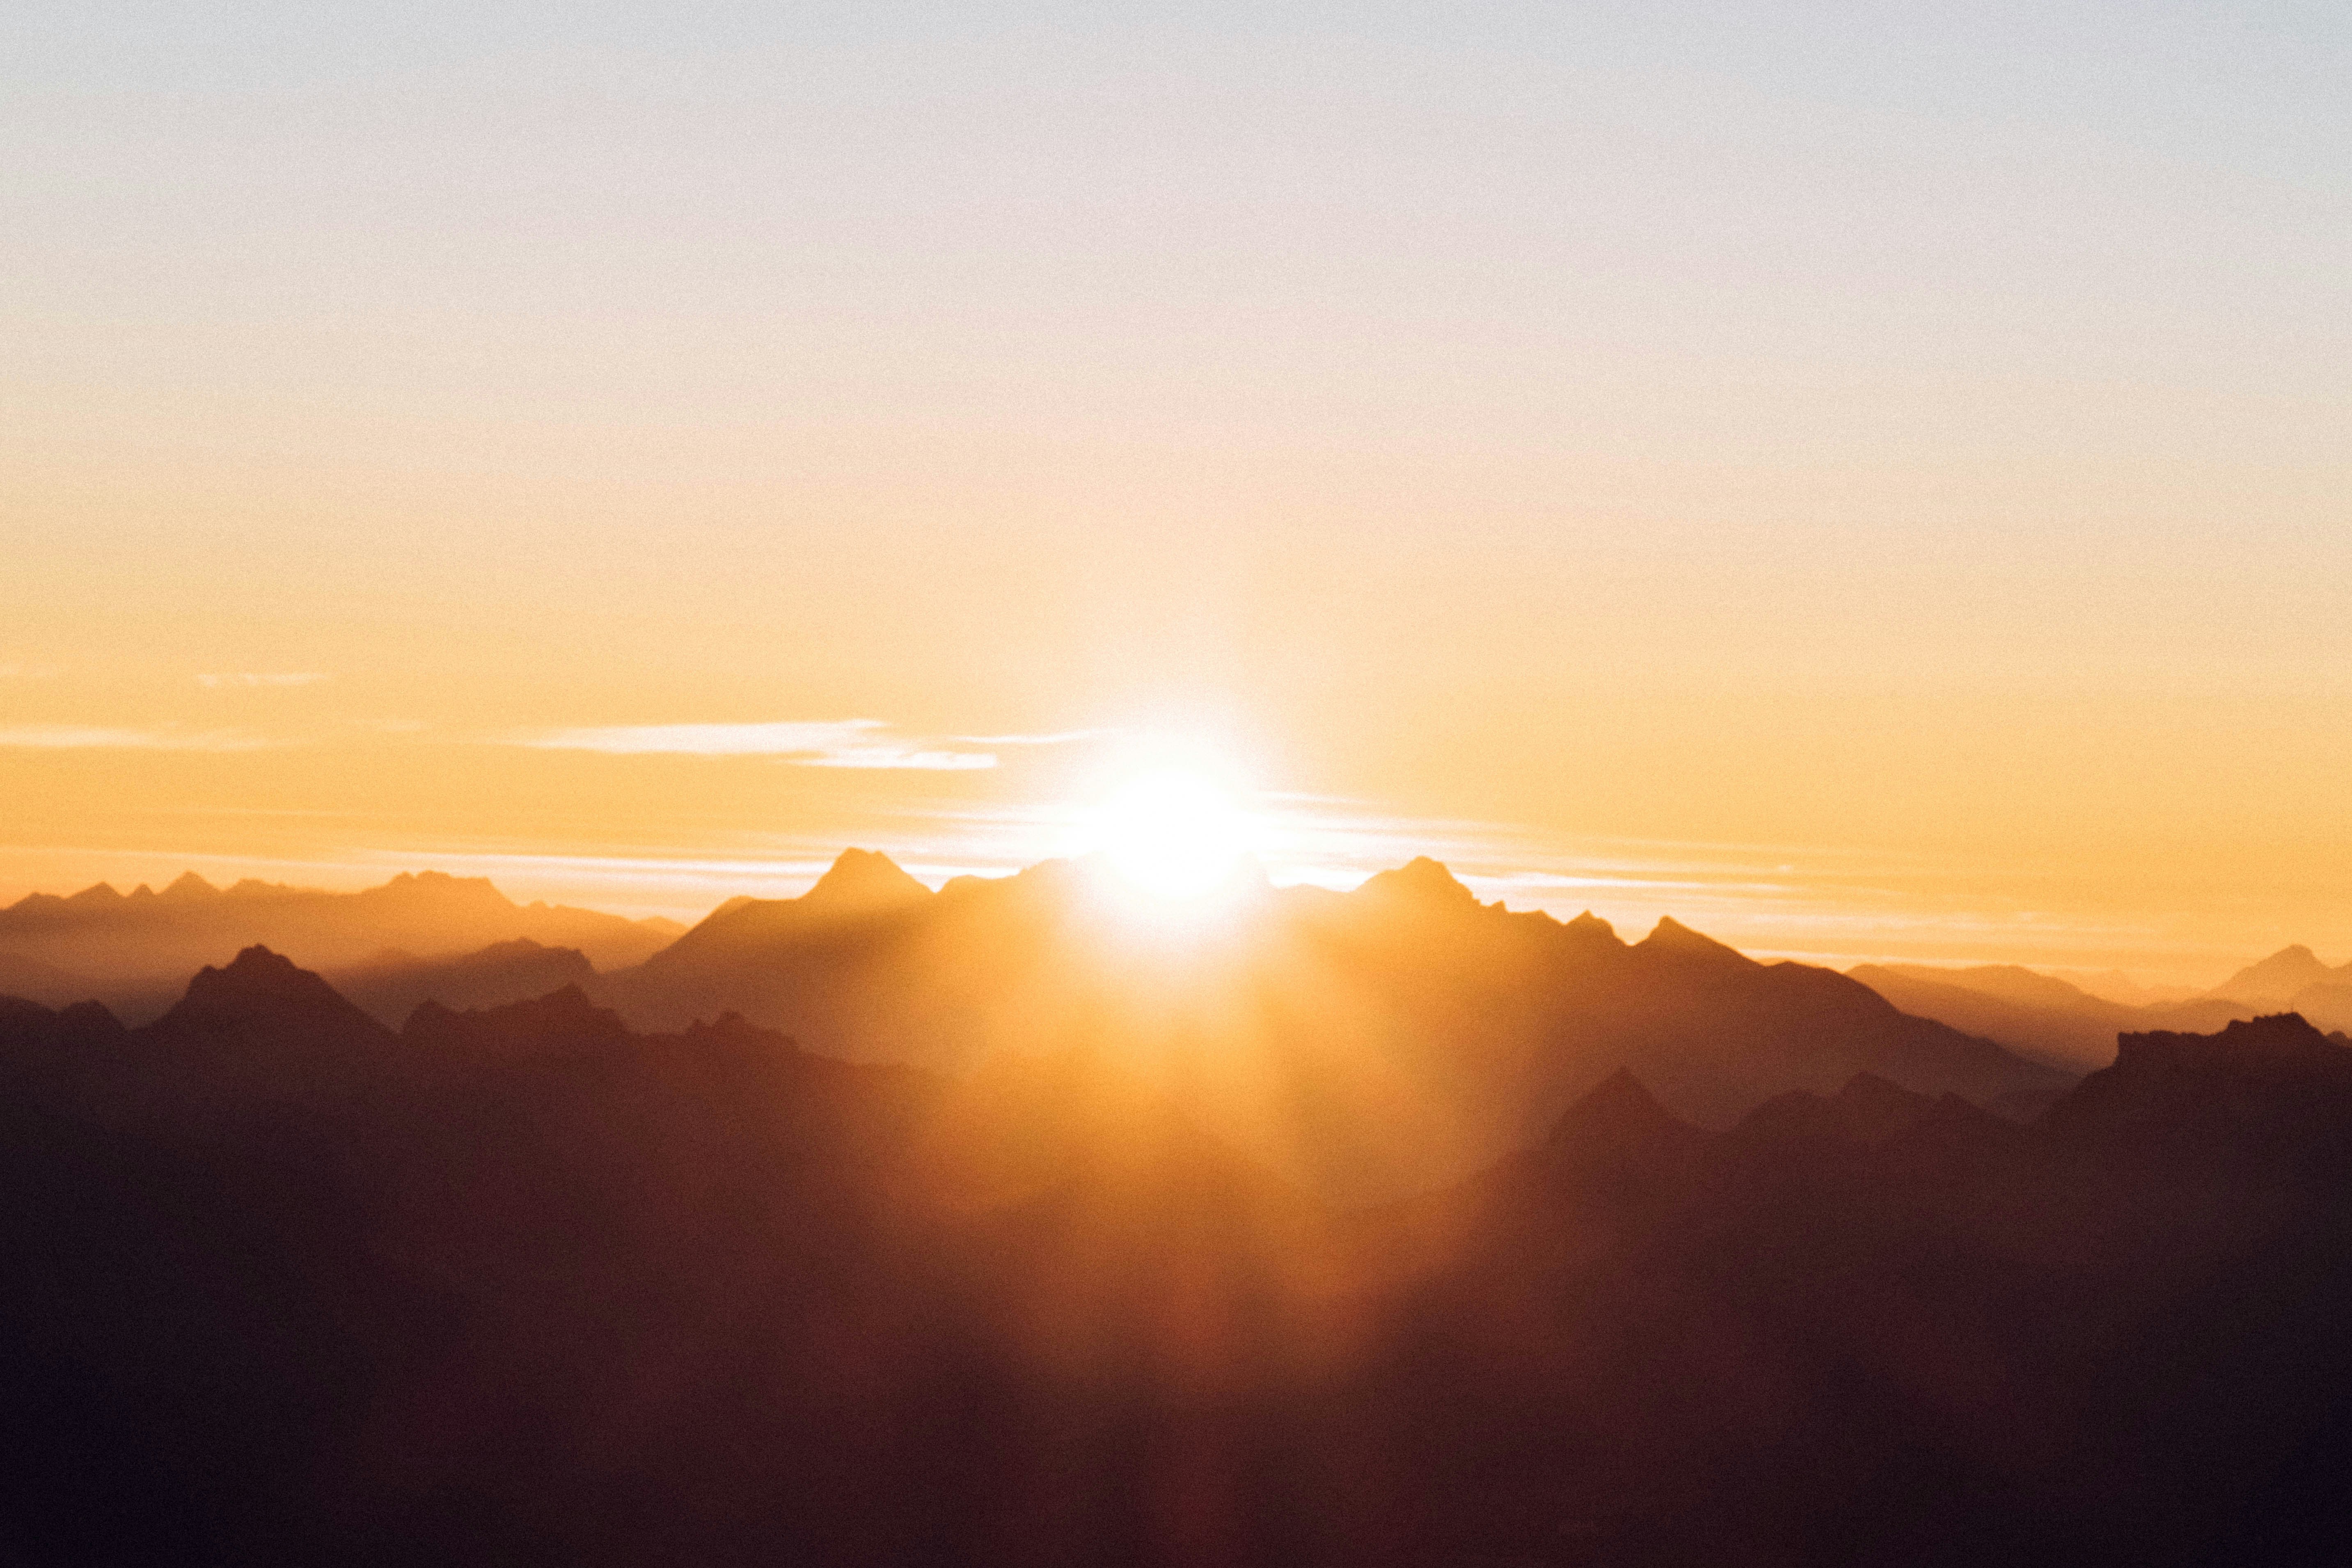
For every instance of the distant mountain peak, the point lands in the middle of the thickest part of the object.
(561, 1017)
(1618, 1106)
(257, 970)
(188, 886)
(97, 893)
(864, 879)
(1422, 879)
(443, 883)
(1670, 935)
(1870, 1109)
(2275, 979)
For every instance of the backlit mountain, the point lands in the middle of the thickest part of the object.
(1408, 1033)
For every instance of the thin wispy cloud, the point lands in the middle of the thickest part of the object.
(1059, 738)
(96, 737)
(818, 743)
(292, 677)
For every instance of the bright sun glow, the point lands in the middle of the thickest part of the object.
(1173, 834)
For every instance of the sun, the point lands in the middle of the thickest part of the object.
(1173, 834)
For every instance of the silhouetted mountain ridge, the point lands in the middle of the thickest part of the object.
(521, 1283)
(134, 951)
(1473, 1025)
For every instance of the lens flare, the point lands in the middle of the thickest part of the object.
(1175, 835)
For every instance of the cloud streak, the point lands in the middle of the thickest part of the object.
(95, 737)
(296, 677)
(814, 743)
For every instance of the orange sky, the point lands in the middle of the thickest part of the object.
(1864, 488)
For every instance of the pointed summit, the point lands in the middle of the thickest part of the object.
(1672, 937)
(99, 895)
(863, 881)
(263, 994)
(1617, 1107)
(188, 886)
(1422, 880)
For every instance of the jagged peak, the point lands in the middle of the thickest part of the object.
(864, 879)
(97, 894)
(187, 885)
(1422, 879)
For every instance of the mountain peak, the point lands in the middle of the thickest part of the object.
(267, 988)
(863, 879)
(1671, 936)
(1619, 1106)
(1589, 931)
(188, 886)
(2276, 978)
(1423, 880)
(566, 1014)
(1870, 1109)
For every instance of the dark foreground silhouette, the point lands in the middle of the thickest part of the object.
(519, 1285)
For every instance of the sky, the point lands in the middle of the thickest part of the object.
(1868, 480)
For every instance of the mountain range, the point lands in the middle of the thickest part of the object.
(2052, 1020)
(1300, 1016)
(135, 948)
(524, 1284)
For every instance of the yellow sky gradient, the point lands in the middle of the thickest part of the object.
(1865, 490)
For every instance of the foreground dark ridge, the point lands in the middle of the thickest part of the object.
(521, 1286)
